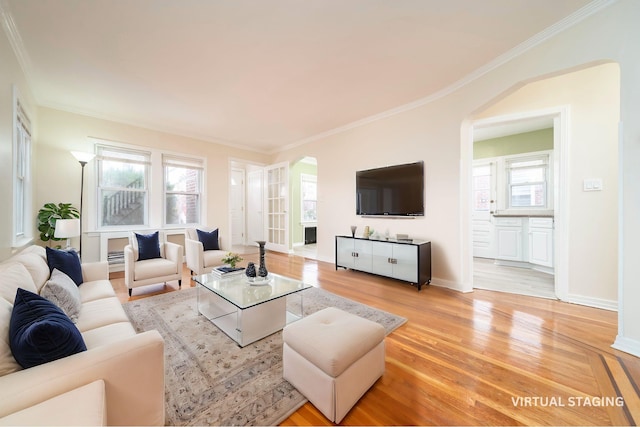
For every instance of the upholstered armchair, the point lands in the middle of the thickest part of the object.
(150, 259)
(203, 250)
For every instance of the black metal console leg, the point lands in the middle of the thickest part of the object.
(130, 292)
(180, 283)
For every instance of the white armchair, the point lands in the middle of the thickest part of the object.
(200, 261)
(145, 272)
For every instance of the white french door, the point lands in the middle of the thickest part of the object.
(237, 207)
(484, 204)
(255, 202)
(277, 207)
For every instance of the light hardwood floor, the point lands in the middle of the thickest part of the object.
(524, 281)
(480, 358)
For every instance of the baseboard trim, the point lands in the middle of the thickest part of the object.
(627, 345)
(449, 284)
(611, 305)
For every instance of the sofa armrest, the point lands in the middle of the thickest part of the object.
(194, 252)
(173, 252)
(95, 271)
(132, 369)
(129, 261)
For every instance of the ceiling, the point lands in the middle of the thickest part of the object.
(263, 74)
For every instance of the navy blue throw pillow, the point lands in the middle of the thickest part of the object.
(40, 332)
(209, 239)
(148, 246)
(66, 261)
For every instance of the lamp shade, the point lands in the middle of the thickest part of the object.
(66, 228)
(82, 156)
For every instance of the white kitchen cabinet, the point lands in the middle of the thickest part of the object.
(509, 236)
(541, 241)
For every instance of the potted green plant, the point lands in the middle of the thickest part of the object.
(231, 259)
(49, 214)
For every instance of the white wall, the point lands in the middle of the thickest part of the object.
(58, 177)
(10, 74)
(433, 133)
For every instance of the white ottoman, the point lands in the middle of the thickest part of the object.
(333, 358)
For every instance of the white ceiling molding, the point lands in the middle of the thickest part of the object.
(558, 27)
(11, 30)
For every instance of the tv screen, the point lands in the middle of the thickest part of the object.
(394, 190)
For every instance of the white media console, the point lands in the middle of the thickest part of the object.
(408, 260)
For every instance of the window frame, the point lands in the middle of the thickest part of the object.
(193, 163)
(100, 157)
(545, 158)
(22, 187)
(308, 178)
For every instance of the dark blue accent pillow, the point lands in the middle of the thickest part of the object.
(66, 261)
(209, 239)
(40, 332)
(148, 246)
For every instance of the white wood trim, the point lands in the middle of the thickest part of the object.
(627, 345)
(605, 304)
(561, 117)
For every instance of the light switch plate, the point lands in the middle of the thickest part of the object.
(592, 184)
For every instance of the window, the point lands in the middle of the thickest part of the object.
(309, 197)
(527, 180)
(481, 187)
(21, 175)
(123, 191)
(182, 190)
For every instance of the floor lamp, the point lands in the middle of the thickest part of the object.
(83, 158)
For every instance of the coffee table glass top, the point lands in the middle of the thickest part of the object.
(240, 292)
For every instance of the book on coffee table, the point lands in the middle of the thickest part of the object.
(227, 271)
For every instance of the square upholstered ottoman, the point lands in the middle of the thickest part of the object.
(333, 358)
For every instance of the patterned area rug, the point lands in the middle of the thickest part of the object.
(209, 379)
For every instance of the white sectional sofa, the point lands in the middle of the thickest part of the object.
(118, 380)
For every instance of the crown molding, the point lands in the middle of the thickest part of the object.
(555, 29)
(15, 40)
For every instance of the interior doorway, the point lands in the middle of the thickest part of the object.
(304, 212)
(514, 204)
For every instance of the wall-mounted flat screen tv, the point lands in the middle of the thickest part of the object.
(391, 191)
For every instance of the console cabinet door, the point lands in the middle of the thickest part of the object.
(354, 253)
(382, 253)
(405, 262)
(344, 252)
(396, 260)
(363, 255)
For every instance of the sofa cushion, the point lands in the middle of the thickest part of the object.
(66, 261)
(96, 289)
(36, 265)
(39, 332)
(150, 268)
(64, 293)
(14, 275)
(209, 239)
(107, 334)
(98, 313)
(148, 246)
(8, 363)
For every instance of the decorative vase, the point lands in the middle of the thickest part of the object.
(353, 230)
(251, 270)
(262, 270)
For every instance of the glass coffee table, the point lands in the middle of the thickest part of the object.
(245, 311)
